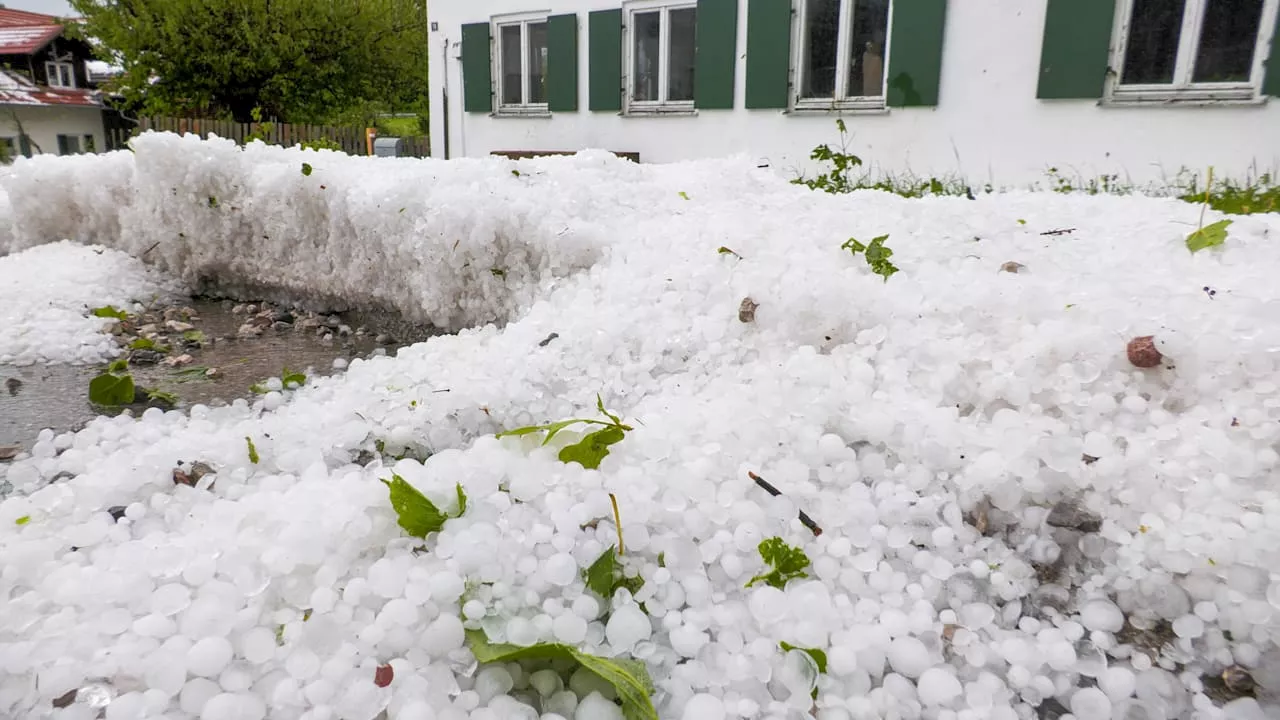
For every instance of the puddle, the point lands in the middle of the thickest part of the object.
(56, 396)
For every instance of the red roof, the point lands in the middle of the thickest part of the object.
(16, 89)
(22, 33)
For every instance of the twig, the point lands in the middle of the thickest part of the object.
(1060, 231)
(153, 247)
(804, 519)
(617, 521)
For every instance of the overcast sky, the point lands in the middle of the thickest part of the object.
(48, 7)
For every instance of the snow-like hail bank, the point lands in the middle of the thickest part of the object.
(47, 298)
(1004, 517)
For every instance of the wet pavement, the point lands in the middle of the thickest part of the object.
(56, 396)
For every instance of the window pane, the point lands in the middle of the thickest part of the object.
(644, 80)
(681, 53)
(866, 65)
(1152, 50)
(538, 62)
(821, 33)
(509, 40)
(1227, 41)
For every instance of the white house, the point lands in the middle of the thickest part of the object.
(989, 90)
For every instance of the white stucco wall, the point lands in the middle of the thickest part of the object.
(45, 124)
(988, 126)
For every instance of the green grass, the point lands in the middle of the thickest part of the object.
(1261, 196)
(399, 126)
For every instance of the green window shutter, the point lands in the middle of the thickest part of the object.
(717, 38)
(915, 52)
(768, 53)
(562, 63)
(24, 145)
(477, 69)
(1077, 48)
(604, 55)
(1271, 80)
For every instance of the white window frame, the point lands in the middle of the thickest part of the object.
(842, 99)
(1183, 89)
(662, 105)
(53, 70)
(524, 108)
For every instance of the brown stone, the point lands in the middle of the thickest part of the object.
(1143, 352)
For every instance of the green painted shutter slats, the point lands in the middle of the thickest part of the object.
(477, 80)
(604, 55)
(915, 52)
(1271, 81)
(1077, 45)
(717, 43)
(768, 53)
(562, 63)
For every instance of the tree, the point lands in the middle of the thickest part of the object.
(294, 60)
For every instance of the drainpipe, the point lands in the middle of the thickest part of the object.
(444, 94)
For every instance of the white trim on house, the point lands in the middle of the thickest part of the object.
(524, 108)
(60, 74)
(662, 105)
(843, 100)
(1183, 89)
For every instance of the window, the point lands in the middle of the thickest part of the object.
(842, 53)
(8, 148)
(68, 144)
(1172, 50)
(522, 66)
(663, 55)
(60, 74)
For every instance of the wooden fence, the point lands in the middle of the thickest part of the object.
(350, 139)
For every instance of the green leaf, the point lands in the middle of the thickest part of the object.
(786, 563)
(416, 514)
(600, 407)
(193, 336)
(684, 195)
(119, 366)
(148, 344)
(551, 429)
(22, 520)
(629, 678)
(259, 389)
(1021, 221)
(110, 312)
(289, 377)
(213, 201)
(1208, 236)
(162, 396)
(253, 450)
(306, 169)
(592, 448)
(111, 390)
(853, 246)
(599, 576)
(818, 656)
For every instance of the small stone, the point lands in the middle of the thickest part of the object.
(280, 325)
(344, 330)
(145, 357)
(178, 361)
(386, 339)
(213, 373)
(9, 452)
(747, 310)
(12, 385)
(1069, 513)
(1143, 353)
(282, 316)
(149, 329)
(65, 699)
(383, 675)
(1012, 267)
(178, 326)
(548, 339)
(249, 330)
(116, 512)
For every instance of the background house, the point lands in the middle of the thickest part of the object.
(996, 91)
(48, 103)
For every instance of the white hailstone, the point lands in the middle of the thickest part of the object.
(704, 707)
(976, 616)
(627, 626)
(569, 628)
(586, 607)
(596, 707)
(493, 681)
(444, 634)
(233, 706)
(1102, 615)
(563, 703)
(1206, 610)
(209, 656)
(1188, 626)
(170, 599)
(687, 640)
(938, 687)
(560, 569)
(767, 604)
(1090, 703)
(908, 656)
(546, 682)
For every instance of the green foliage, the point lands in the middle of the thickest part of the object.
(840, 178)
(213, 201)
(301, 61)
(876, 255)
(786, 563)
(1208, 236)
(684, 195)
(837, 180)
(253, 450)
(605, 575)
(22, 520)
(289, 380)
(592, 448)
(306, 169)
(148, 344)
(161, 396)
(110, 312)
(114, 387)
(416, 514)
(194, 336)
(629, 678)
(321, 144)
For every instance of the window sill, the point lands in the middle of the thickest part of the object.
(660, 111)
(858, 107)
(521, 112)
(1184, 98)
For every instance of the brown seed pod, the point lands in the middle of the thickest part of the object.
(747, 310)
(1143, 352)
